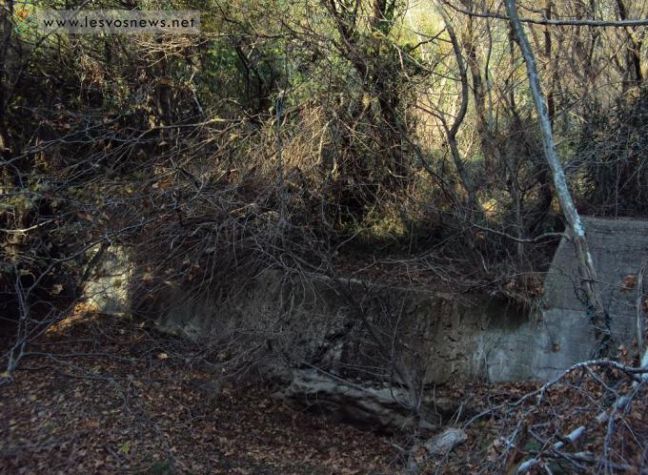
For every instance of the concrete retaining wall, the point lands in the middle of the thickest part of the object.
(313, 320)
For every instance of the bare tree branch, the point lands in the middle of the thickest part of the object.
(553, 22)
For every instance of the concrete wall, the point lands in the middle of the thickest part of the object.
(566, 336)
(315, 320)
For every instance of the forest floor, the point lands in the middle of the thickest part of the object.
(105, 395)
(100, 394)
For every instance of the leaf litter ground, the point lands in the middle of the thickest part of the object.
(100, 394)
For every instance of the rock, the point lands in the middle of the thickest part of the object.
(107, 289)
(377, 409)
(443, 443)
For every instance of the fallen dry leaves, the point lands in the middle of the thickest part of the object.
(103, 394)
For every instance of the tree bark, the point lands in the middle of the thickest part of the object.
(475, 210)
(632, 74)
(595, 308)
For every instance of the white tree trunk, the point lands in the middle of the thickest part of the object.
(599, 315)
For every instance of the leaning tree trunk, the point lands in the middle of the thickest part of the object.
(599, 315)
